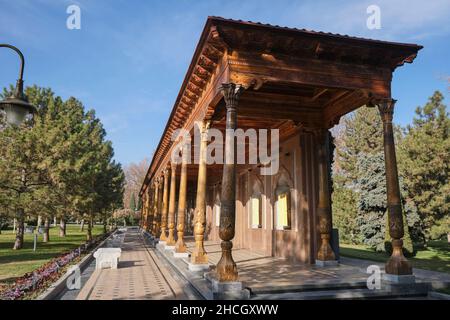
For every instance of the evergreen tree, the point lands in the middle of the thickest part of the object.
(424, 160)
(22, 151)
(372, 200)
(359, 134)
(132, 202)
(139, 205)
(359, 198)
(59, 165)
(362, 134)
(345, 202)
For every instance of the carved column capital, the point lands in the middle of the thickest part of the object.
(231, 93)
(204, 127)
(386, 109)
(166, 172)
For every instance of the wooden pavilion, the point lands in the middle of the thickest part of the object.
(257, 76)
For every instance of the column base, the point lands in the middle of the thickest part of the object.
(160, 246)
(326, 263)
(227, 290)
(198, 267)
(180, 254)
(401, 279)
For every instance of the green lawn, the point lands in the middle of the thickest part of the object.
(15, 263)
(435, 257)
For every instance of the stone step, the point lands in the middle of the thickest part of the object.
(329, 285)
(342, 290)
(180, 265)
(340, 295)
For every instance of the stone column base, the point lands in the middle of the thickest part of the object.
(198, 267)
(180, 254)
(227, 290)
(326, 263)
(409, 278)
(161, 245)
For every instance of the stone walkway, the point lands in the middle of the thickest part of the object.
(139, 276)
(145, 273)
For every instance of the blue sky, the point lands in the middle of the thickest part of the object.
(130, 57)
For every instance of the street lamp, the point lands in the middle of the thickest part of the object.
(17, 106)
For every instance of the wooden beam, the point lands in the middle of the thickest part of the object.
(319, 93)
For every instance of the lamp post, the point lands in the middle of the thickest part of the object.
(17, 106)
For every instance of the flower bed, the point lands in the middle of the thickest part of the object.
(41, 278)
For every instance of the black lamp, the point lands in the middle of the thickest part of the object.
(17, 106)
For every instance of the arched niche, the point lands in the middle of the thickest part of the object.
(256, 204)
(283, 189)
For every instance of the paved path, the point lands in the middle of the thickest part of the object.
(140, 275)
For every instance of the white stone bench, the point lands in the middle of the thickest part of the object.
(107, 256)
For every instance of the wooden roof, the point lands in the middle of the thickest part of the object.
(224, 36)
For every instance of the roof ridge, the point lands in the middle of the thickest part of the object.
(310, 31)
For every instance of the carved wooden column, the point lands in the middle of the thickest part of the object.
(171, 219)
(180, 246)
(143, 211)
(226, 267)
(325, 252)
(155, 207)
(165, 206)
(150, 208)
(159, 207)
(199, 255)
(397, 263)
(147, 205)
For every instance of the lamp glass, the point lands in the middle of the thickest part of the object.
(15, 114)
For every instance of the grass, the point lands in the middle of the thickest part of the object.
(15, 263)
(444, 291)
(435, 257)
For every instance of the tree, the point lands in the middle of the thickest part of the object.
(358, 135)
(22, 153)
(139, 205)
(134, 178)
(345, 202)
(362, 133)
(424, 160)
(372, 200)
(62, 165)
(359, 197)
(132, 202)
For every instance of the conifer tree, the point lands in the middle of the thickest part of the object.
(424, 163)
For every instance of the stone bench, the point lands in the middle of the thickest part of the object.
(107, 256)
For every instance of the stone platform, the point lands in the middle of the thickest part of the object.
(267, 277)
